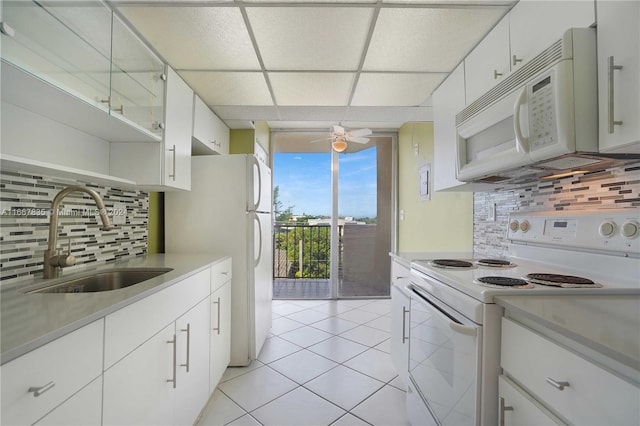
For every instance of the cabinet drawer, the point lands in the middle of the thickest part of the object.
(220, 274)
(592, 396)
(132, 325)
(518, 408)
(69, 362)
(399, 274)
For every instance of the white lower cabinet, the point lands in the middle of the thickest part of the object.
(192, 364)
(41, 380)
(400, 332)
(137, 389)
(82, 409)
(165, 381)
(570, 386)
(220, 329)
(518, 408)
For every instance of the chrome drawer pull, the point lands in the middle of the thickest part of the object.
(175, 345)
(405, 311)
(39, 390)
(503, 409)
(188, 331)
(556, 384)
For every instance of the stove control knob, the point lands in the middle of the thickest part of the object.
(630, 229)
(607, 229)
(514, 225)
(525, 226)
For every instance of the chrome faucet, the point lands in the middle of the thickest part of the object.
(53, 261)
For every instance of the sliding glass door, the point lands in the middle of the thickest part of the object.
(333, 220)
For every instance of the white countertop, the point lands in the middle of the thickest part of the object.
(607, 324)
(32, 320)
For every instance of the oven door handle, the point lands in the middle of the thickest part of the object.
(463, 329)
(453, 325)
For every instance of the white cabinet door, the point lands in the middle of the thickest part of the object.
(488, 63)
(220, 351)
(535, 25)
(139, 389)
(619, 95)
(518, 408)
(192, 359)
(82, 409)
(211, 135)
(399, 332)
(177, 133)
(166, 165)
(40, 380)
(448, 100)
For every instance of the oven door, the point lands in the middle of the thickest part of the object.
(444, 363)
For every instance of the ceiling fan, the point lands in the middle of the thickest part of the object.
(339, 137)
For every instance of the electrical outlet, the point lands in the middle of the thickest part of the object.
(118, 214)
(491, 215)
(401, 214)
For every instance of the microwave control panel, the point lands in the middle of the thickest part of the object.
(542, 127)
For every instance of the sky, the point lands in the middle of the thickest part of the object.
(304, 180)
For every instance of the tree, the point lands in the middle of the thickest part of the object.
(281, 215)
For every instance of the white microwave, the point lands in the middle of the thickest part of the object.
(540, 120)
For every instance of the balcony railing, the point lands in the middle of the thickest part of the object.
(302, 251)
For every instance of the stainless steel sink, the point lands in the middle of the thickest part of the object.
(104, 281)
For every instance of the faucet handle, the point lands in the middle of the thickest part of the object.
(63, 260)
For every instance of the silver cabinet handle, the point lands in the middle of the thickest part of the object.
(174, 343)
(503, 409)
(612, 121)
(556, 384)
(224, 273)
(405, 311)
(172, 175)
(496, 74)
(218, 327)
(39, 390)
(515, 60)
(188, 331)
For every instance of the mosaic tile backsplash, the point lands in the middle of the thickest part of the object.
(613, 188)
(25, 203)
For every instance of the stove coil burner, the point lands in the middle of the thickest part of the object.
(495, 263)
(451, 263)
(561, 280)
(502, 282)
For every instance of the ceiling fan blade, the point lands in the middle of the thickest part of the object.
(321, 140)
(358, 139)
(359, 132)
(338, 130)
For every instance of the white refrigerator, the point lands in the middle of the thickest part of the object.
(228, 212)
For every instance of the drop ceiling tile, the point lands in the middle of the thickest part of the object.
(427, 39)
(320, 89)
(245, 112)
(388, 89)
(229, 88)
(196, 37)
(312, 113)
(310, 38)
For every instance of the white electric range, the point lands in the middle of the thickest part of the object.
(454, 341)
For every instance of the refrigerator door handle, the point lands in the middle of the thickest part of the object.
(257, 219)
(258, 173)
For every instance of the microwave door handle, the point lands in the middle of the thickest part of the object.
(520, 139)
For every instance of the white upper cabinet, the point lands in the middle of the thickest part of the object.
(535, 25)
(93, 60)
(528, 29)
(164, 166)
(489, 62)
(448, 100)
(210, 134)
(619, 75)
